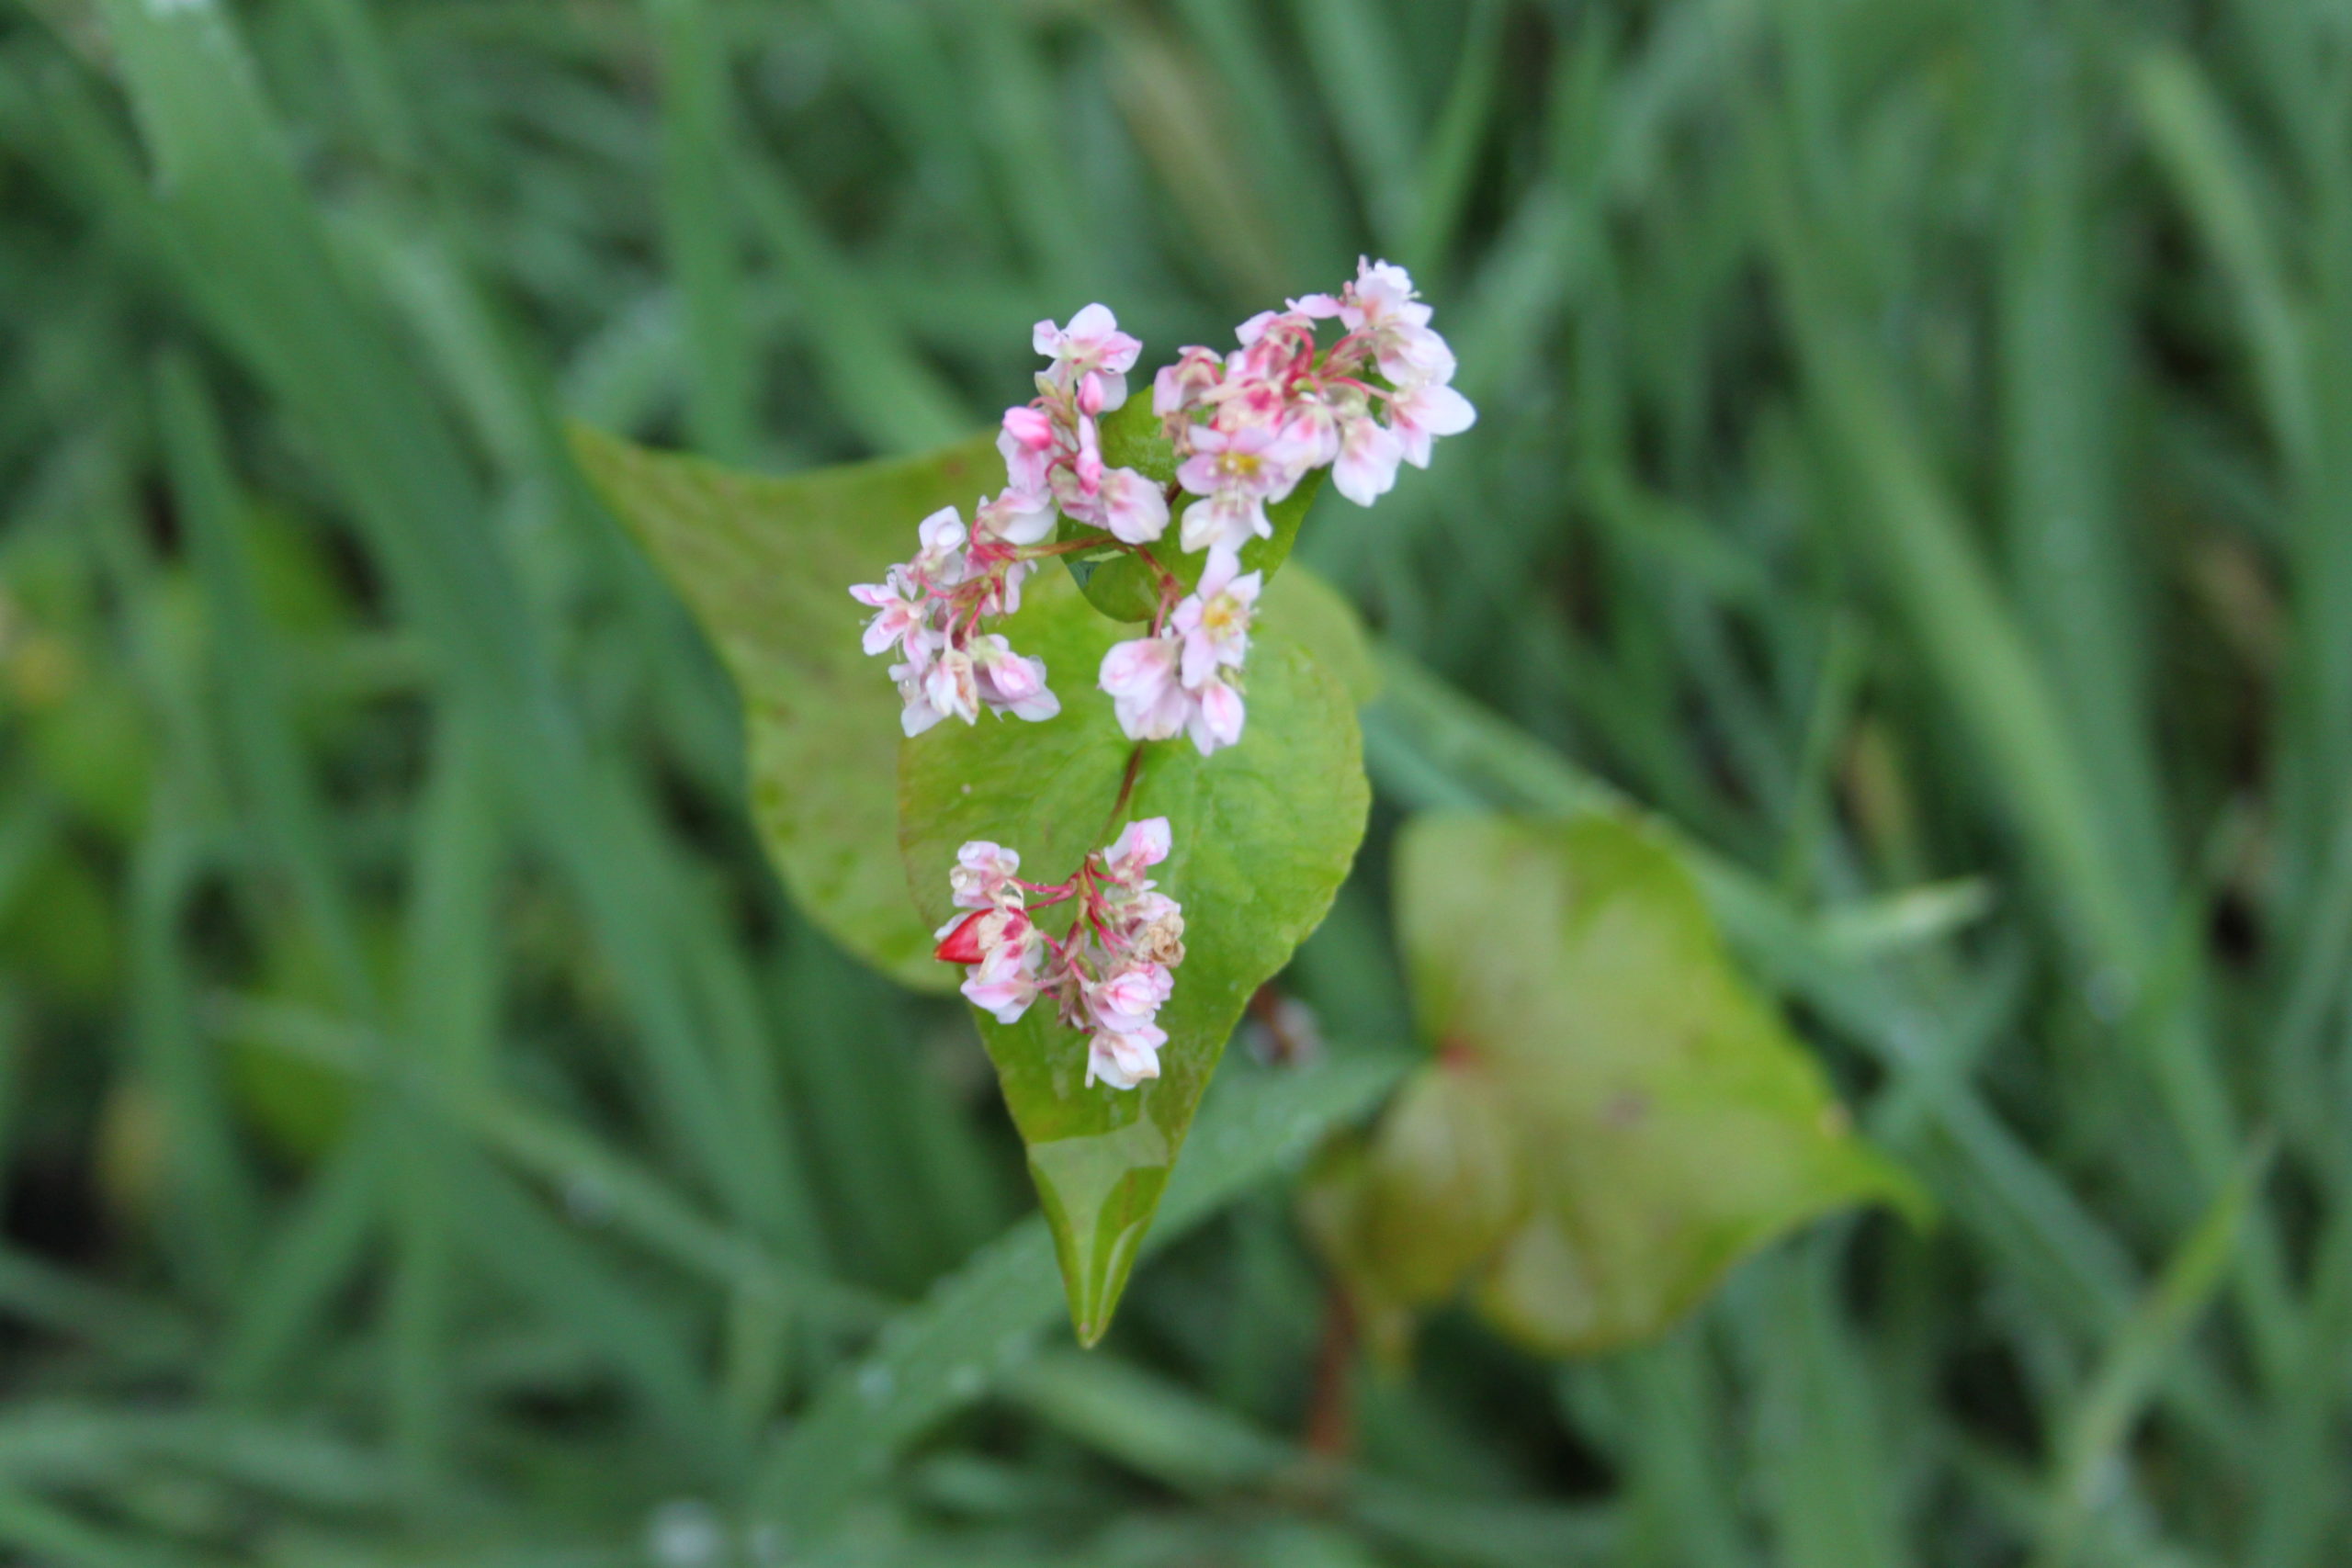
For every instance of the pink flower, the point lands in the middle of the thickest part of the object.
(1092, 349)
(1004, 982)
(1275, 345)
(1122, 500)
(1140, 676)
(1009, 682)
(1141, 845)
(1244, 400)
(1246, 426)
(1236, 474)
(984, 876)
(1001, 592)
(932, 607)
(1016, 516)
(1026, 443)
(896, 613)
(1214, 620)
(940, 562)
(1126, 1001)
(1108, 978)
(1253, 329)
(1088, 465)
(1381, 305)
(1311, 424)
(1030, 427)
(1123, 1061)
(1132, 507)
(952, 685)
(1366, 468)
(913, 678)
(1216, 714)
(1002, 947)
(1420, 414)
(1152, 926)
(1185, 384)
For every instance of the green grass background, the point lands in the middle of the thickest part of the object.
(1915, 460)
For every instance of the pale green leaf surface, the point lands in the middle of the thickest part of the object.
(1667, 1122)
(1443, 1187)
(1312, 613)
(1263, 833)
(766, 564)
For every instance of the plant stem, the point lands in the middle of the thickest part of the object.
(1331, 1408)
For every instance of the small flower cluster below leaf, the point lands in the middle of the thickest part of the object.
(1107, 976)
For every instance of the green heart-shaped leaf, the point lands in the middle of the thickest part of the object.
(766, 564)
(1317, 616)
(1263, 833)
(1664, 1120)
(1122, 586)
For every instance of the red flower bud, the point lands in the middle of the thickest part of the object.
(962, 945)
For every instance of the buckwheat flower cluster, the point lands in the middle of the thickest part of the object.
(1184, 678)
(1248, 427)
(1108, 976)
(929, 611)
(1052, 445)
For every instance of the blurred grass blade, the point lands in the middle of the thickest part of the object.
(1672, 1442)
(449, 999)
(305, 1264)
(1174, 118)
(1822, 1447)
(1922, 548)
(213, 1204)
(2133, 1362)
(575, 1163)
(1166, 1432)
(1449, 162)
(2208, 162)
(226, 179)
(705, 250)
(890, 397)
(1352, 48)
(283, 800)
(56, 1537)
(986, 1317)
(510, 1238)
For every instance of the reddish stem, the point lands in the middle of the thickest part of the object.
(1071, 546)
(1331, 1406)
(1126, 786)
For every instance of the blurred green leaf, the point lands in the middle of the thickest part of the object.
(1313, 614)
(767, 565)
(1443, 1187)
(1666, 1121)
(1404, 1215)
(1263, 833)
